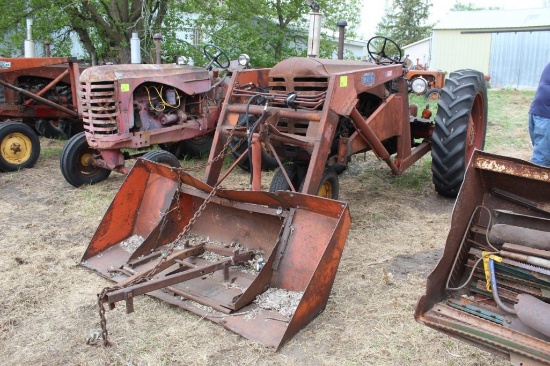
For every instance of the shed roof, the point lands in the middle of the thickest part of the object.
(519, 19)
(416, 43)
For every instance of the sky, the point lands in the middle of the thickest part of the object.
(373, 10)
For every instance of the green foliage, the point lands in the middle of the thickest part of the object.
(404, 21)
(268, 31)
(458, 6)
(104, 27)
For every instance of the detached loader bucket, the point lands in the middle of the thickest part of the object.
(261, 264)
(491, 287)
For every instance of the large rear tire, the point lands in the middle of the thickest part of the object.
(19, 146)
(460, 128)
(75, 166)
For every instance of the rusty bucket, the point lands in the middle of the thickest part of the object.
(269, 257)
(491, 287)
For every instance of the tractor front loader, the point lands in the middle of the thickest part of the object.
(311, 115)
(37, 95)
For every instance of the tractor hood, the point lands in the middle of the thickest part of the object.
(140, 71)
(316, 68)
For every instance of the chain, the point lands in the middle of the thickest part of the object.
(102, 295)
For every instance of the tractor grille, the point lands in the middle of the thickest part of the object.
(293, 127)
(99, 111)
(299, 84)
(310, 92)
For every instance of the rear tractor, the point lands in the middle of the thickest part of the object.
(128, 109)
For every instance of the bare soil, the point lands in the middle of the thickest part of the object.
(48, 306)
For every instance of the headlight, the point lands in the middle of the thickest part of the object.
(419, 85)
(181, 60)
(243, 59)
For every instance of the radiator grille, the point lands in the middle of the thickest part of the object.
(99, 109)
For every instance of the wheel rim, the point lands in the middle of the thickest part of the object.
(84, 165)
(476, 127)
(16, 148)
(326, 190)
(433, 96)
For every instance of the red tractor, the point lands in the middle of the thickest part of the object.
(135, 107)
(310, 115)
(37, 95)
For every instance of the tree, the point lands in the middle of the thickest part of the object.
(458, 6)
(267, 30)
(104, 27)
(404, 21)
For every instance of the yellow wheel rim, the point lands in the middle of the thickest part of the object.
(84, 159)
(16, 148)
(325, 190)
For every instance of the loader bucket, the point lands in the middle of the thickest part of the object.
(260, 264)
(502, 209)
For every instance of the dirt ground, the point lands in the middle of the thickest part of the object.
(48, 302)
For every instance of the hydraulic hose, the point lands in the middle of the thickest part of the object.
(495, 289)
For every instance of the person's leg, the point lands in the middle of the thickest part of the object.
(539, 130)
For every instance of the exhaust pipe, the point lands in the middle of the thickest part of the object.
(29, 43)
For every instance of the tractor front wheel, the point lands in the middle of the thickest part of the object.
(460, 128)
(329, 187)
(295, 173)
(53, 129)
(19, 146)
(175, 148)
(198, 147)
(162, 157)
(75, 165)
(433, 94)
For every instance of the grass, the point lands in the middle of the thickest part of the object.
(507, 121)
(50, 148)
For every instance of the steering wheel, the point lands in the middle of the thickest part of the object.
(384, 51)
(215, 58)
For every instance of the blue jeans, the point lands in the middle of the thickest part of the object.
(539, 130)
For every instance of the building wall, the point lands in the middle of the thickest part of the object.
(420, 52)
(452, 50)
(518, 58)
